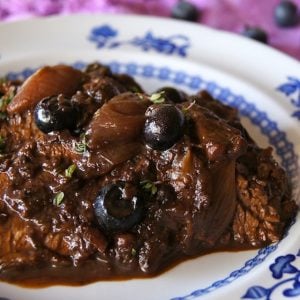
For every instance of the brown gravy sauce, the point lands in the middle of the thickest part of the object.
(91, 272)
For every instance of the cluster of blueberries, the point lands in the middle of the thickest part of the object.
(120, 205)
(285, 15)
(163, 126)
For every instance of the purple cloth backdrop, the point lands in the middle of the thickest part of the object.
(231, 15)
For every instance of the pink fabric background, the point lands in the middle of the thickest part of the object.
(229, 15)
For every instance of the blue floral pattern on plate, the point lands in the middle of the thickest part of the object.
(282, 265)
(268, 127)
(105, 36)
(291, 89)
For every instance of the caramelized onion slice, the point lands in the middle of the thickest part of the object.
(121, 120)
(104, 160)
(47, 81)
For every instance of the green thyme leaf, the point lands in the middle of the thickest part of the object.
(70, 170)
(158, 98)
(133, 252)
(153, 189)
(4, 101)
(81, 146)
(58, 199)
(135, 89)
(149, 186)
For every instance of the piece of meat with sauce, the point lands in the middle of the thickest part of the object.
(100, 180)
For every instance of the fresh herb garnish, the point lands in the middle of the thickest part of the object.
(133, 252)
(4, 101)
(158, 98)
(135, 89)
(70, 170)
(58, 199)
(149, 186)
(81, 146)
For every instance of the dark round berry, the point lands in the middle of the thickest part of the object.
(118, 207)
(172, 95)
(256, 33)
(184, 10)
(163, 126)
(55, 113)
(286, 14)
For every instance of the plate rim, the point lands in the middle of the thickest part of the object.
(165, 19)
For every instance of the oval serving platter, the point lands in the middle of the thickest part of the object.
(261, 82)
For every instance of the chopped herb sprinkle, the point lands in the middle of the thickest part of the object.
(149, 186)
(70, 170)
(58, 199)
(135, 89)
(6, 99)
(81, 146)
(133, 252)
(158, 98)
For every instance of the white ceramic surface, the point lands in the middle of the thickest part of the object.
(160, 52)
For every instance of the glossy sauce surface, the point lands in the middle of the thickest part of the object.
(99, 200)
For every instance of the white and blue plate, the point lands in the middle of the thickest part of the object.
(262, 83)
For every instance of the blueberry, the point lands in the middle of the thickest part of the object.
(256, 33)
(163, 126)
(286, 14)
(119, 206)
(184, 10)
(55, 113)
(172, 95)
